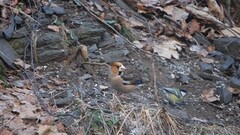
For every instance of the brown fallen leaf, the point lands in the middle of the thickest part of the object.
(26, 111)
(14, 3)
(5, 131)
(211, 48)
(4, 13)
(102, 16)
(20, 63)
(49, 130)
(208, 96)
(60, 127)
(193, 26)
(81, 131)
(234, 90)
(215, 9)
(58, 81)
(44, 130)
(231, 32)
(168, 49)
(84, 52)
(54, 28)
(47, 120)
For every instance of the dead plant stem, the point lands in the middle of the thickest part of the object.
(124, 122)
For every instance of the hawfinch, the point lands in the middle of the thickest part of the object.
(116, 80)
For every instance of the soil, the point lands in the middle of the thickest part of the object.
(140, 106)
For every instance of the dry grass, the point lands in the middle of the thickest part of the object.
(144, 120)
(132, 119)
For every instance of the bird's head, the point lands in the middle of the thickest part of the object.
(119, 65)
(117, 68)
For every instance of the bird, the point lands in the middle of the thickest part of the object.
(117, 82)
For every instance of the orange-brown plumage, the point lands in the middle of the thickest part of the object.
(117, 81)
(116, 69)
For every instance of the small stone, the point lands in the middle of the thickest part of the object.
(19, 83)
(178, 113)
(102, 87)
(85, 77)
(93, 48)
(234, 82)
(184, 79)
(195, 76)
(47, 9)
(116, 55)
(18, 20)
(227, 63)
(225, 94)
(59, 10)
(145, 77)
(205, 67)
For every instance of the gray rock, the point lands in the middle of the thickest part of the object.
(19, 83)
(234, 82)
(184, 79)
(195, 76)
(116, 55)
(49, 47)
(8, 32)
(67, 120)
(108, 40)
(22, 32)
(228, 45)
(225, 94)
(49, 38)
(7, 53)
(85, 77)
(205, 67)
(91, 40)
(145, 77)
(227, 63)
(93, 48)
(201, 39)
(178, 113)
(52, 52)
(19, 45)
(58, 10)
(18, 20)
(89, 35)
(208, 76)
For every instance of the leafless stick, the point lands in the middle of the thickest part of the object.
(95, 63)
(124, 121)
(151, 122)
(154, 81)
(7, 122)
(20, 11)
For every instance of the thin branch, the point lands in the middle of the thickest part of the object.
(155, 81)
(124, 122)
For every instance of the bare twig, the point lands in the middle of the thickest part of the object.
(89, 126)
(155, 89)
(124, 122)
(95, 63)
(20, 11)
(114, 96)
(7, 122)
(151, 122)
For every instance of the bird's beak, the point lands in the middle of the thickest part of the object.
(122, 68)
